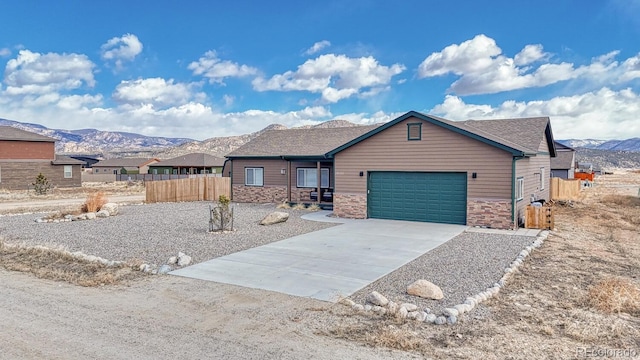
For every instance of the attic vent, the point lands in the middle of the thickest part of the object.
(414, 131)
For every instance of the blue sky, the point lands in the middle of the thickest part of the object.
(201, 69)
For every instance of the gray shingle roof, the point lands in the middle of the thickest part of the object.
(523, 134)
(15, 134)
(124, 162)
(563, 160)
(65, 160)
(300, 142)
(192, 160)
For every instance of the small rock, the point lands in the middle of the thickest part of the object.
(183, 259)
(358, 307)
(40, 220)
(523, 307)
(430, 318)
(172, 260)
(68, 217)
(470, 301)
(275, 218)
(91, 215)
(392, 307)
(90, 258)
(461, 308)
(427, 310)
(440, 320)
(111, 208)
(102, 214)
(377, 309)
(367, 307)
(412, 315)
(377, 299)
(143, 267)
(344, 301)
(425, 289)
(164, 269)
(402, 313)
(452, 320)
(450, 312)
(410, 307)
(421, 316)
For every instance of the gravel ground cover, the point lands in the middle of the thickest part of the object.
(461, 267)
(155, 232)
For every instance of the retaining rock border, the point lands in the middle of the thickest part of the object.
(378, 304)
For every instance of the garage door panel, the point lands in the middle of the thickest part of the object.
(418, 196)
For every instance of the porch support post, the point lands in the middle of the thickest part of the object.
(288, 180)
(318, 181)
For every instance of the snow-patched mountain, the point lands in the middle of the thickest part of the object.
(92, 141)
(614, 145)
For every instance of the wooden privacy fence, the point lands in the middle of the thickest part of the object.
(564, 189)
(198, 189)
(539, 217)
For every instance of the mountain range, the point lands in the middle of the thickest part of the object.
(110, 144)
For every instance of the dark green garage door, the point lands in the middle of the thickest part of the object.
(418, 196)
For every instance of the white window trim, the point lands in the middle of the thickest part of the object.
(256, 181)
(542, 178)
(70, 172)
(519, 188)
(315, 178)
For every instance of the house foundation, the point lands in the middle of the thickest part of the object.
(353, 206)
(489, 213)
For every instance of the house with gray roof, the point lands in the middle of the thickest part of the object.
(124, 165)
(195, 163)
(416, 167)
(24, 155)
(563, 166)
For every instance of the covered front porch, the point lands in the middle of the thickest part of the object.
(304, 175)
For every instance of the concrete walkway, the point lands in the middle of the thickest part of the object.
(330, 263)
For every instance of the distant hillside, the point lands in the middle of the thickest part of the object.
(92, 141)
(612, 145)
(607, 159)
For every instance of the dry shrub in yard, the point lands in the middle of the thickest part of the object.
(299, 206)
(621, 200)
(60, 265)
(284, 205)
(615, 295)
(94, 202)
(381, 334)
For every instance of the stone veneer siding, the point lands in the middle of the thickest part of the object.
(259, 194)
(352, 206)
(494, 214)
(269, 194)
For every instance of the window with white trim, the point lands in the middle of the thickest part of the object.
(253, 176)
(542, 178)
(68, 171)
(308, 178)
(519, 188)
(167, 171)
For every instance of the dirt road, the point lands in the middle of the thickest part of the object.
(162, 317)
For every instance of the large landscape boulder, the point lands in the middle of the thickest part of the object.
(425, 289)
(274, 218)
(112, 208)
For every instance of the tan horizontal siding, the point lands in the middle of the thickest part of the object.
(272, 175)
(21, 175)
(529, 169)
(544, 147)
(439, 150)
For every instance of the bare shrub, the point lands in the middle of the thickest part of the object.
(94, 202)
(314, 207)
(381, 334)
(615, 295)
(621, 200)
(283, 205)
(299, 206)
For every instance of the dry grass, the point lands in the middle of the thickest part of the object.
(314, 207)
(615, 295)
(94, 202)
(284, 205)
(299, 206)
(382, 334)
(621, 200)
(60, 265)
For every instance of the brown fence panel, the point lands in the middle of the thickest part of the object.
(539, 217)
(194, 189)
(564, 189)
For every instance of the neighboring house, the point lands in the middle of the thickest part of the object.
(196, 163)
(24, 155)
(564, 164)
(88, 161)
(123, 166)
(417, 167)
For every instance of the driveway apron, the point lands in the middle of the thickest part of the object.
(327, 264)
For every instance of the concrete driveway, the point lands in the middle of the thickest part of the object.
(330, 263)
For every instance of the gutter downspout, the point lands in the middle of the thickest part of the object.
(224, 166)
(513, 189)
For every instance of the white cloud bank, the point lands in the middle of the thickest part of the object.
(336, 77)
(155, 91)
(317, 47)
(483, 68)
(602, 114)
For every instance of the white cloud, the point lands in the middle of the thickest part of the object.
(155, 91)
(631, 69)
(602, 114)
(4, 52)
(317, 47)
(216, 70)
(336, 77)
(121, 49)
(483, 69)
(35, 73)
